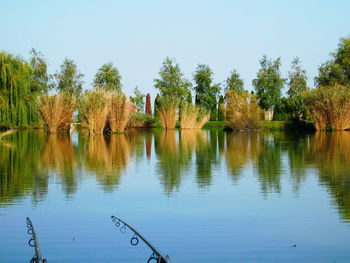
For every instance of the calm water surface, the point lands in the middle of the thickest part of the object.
(199, 196)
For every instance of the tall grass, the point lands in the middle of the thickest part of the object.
(242, 111)
(93, 109)
(119, 112)
(168, 112)
(329, 107)
(57, 111)
(192, 117)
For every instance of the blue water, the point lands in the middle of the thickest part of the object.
(198, 196)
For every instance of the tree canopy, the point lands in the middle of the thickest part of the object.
(171, 81)
(69, 79)
(337, 69)
(108, 78)
(269, 83)
(40, 77)
(206, 91)
(234, 82)
(138, 99)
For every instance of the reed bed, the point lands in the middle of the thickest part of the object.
(57, 111)
(329, 107)
(168, 112)
(242, 111)
(94, 110)
(193, 117)
(119, 112)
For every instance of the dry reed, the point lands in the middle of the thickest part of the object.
(119, 112)
(329, 107)
(242, 111)
(168, 112)
(93, 108)
(192, 117)
(57, 111)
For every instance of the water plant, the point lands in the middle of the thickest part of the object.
(57, 111)
(168, 111)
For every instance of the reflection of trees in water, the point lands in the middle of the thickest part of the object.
(330, 153)
(19, 173)
(270, 163)
(169, 159)
(297, 147)
(241, 147)
(107, 156)
(58, 155)
(206, 156)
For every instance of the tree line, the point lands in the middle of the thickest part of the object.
(22, 82)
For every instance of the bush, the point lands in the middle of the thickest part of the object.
(242, 111)
(168, 112)
(329, 107)
(140, 120)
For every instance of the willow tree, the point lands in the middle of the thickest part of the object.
(17, 103)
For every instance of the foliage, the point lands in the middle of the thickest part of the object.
(297, 83)
(171, 81)
(192, 117)
(206, 92)
(168, 111)
(108, 78)
(337, 69)
(57, 111)
(234, 82)
(148, 105)
(69, 79)
(242, 111)
(93, 108)
(138, 99)
(329, 107)
(221, 109)
(269, 83)
(40, 78)
(140, 120)
(17, 99)
(156, 106)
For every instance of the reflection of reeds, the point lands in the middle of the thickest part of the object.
(107, 156)
(240, 148)
(58, 155)
(330, 154)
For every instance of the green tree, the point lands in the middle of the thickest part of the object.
(269, 83)
(40, 78)
(221, 108)
(171, 81)
(336, 70)
(234, 82)
(138, 99)
(17, 101)
(297, 86)
(69, 79)
(206, 92)
(108, 78)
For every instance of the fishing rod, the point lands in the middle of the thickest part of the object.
(34, 242)
(156, 255)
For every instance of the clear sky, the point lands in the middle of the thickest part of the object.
(137, 35)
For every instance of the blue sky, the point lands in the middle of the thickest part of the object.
(137, 35)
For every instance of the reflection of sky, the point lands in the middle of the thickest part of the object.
(228, 222)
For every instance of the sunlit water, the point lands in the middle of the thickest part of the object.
(199, 196)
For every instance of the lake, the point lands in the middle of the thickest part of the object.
(197, 195)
